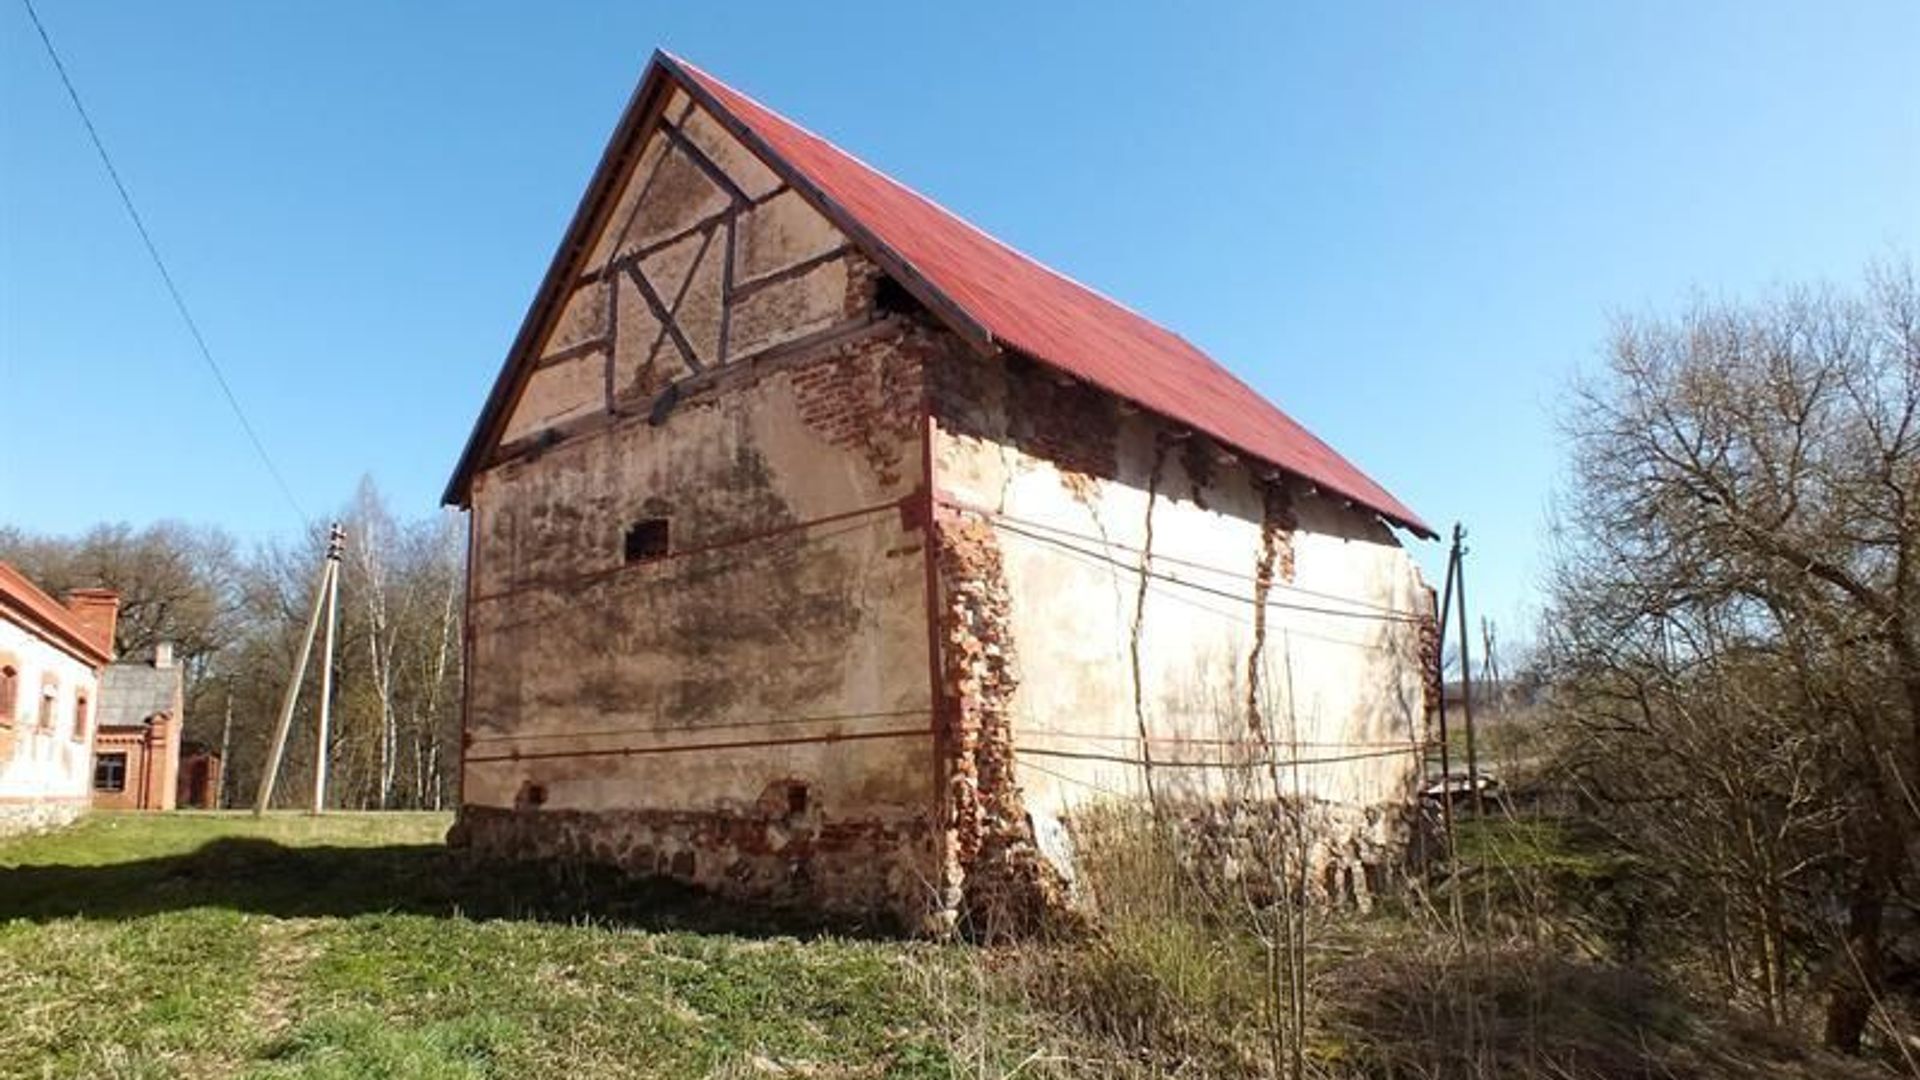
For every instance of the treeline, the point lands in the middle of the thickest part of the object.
(235, 619)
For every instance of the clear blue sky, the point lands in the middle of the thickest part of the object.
(1407, 224)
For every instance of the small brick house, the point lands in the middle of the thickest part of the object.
(825, 550)
(136, 749)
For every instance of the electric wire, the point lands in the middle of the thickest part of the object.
(166, 276)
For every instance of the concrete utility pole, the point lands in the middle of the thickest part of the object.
(226, 738)
(335, 543)
(324, 592)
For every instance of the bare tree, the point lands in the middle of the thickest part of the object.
(1736, 617)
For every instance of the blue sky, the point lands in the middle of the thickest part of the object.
(1407, 224)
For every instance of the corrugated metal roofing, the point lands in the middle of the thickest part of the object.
(1027, 306)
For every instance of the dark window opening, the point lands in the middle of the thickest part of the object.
(647, 540)
(796, 799)
(80, 717)
(110, 772)
(892, 298)
(9, 691)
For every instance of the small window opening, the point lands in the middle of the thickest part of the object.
(110, 772)
(892, 298)
(647, 540)
(9, 691)
(796, 799)
(80, 717)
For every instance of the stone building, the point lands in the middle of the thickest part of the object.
(826, 550)
(137, 746)
(52, 655)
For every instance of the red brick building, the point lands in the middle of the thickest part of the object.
(136, 751)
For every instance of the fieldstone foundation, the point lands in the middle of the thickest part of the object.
(858, 868)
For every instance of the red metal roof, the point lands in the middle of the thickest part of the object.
(1029, 307)
(31, 607)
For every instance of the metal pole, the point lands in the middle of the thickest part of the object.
(293, 694)
(1440, 676)
(1466, 669)
(335, 541)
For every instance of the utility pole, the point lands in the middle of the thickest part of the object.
(1440, 677)
(336, 541)
(1466, 666)
(322, 590)
(226, 738)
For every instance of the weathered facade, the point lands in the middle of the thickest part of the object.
(825, 550)
(51, 658)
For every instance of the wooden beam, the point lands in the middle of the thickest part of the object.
(664, 318)
(705, 164)
(793, 270)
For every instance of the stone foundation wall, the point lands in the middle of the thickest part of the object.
(857, 868)
(1252, 852)
(19, 819)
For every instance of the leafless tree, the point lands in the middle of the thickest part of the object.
(1735, 619)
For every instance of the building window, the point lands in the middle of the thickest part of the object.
(647, 540)
(49, 697)
(80, 717)
(9, 691)
(110, 772)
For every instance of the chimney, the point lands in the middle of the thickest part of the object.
(96, 610)
(163, 654)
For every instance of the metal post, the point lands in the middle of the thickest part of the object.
(336, 541)
(1440, 676)
(1466, 668)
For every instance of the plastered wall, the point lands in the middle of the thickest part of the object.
(1184, 627)
(46, 771)
(749, 708)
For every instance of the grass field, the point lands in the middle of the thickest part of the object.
(353, 946)
(192, 945)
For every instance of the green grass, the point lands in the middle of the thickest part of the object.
(355, 946)
(193, 945)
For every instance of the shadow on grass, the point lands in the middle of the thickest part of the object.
(267, 878)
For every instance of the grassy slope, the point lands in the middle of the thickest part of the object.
(215, 945)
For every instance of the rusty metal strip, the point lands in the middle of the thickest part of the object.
(789, 721)
(743, 744)
(588, 579)
(1161, 763)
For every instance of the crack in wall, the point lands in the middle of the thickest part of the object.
(1139, 622)
(1276, 553)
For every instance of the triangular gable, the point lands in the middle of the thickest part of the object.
(701, 257)
(986, 292)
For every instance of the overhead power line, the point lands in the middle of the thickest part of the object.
(153, 251)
